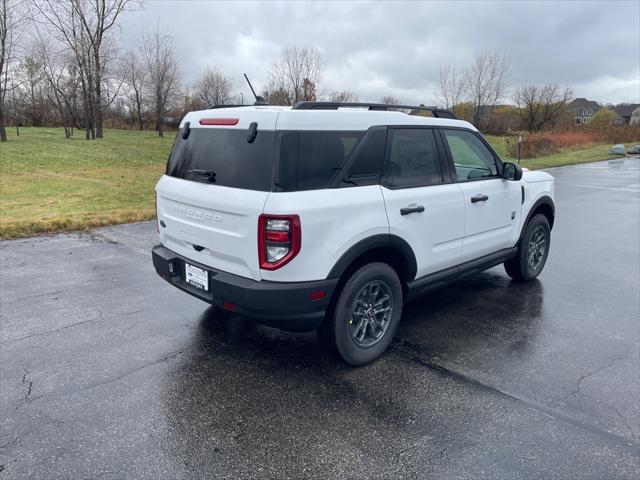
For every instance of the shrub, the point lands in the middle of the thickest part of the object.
(546, 143)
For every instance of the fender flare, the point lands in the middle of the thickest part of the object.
(376, 241)
(544, 200)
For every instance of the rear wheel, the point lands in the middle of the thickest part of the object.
(366, 315)
(533, 250)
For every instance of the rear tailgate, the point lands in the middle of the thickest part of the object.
(213, 225)
(217, 181)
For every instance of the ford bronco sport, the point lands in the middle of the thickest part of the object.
(330, 216)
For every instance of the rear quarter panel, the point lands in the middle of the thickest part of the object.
(332, 221)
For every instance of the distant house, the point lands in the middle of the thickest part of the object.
(625, 111)
(583, 110)
(635, 117)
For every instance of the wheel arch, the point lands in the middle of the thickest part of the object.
(382, 248)
(543, 205)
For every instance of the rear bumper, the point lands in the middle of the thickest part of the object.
(285, 305)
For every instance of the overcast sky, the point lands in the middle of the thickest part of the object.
(380, 48)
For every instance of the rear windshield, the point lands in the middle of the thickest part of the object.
(223, 157)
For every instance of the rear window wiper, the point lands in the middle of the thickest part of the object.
(208, 174)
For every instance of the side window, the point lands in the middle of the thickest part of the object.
(365, 168)
(471, 157)
(321, 156)
(413, 158)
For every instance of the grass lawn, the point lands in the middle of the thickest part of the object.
(49, 183)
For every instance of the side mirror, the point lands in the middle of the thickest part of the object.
(511, 171)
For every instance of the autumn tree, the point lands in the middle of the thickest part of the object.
(603, 117)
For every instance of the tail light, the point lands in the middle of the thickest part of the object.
(279, 240)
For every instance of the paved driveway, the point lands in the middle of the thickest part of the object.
(107, 371)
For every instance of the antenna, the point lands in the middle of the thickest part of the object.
(259, 99)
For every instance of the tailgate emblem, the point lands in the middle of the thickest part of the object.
(196, 214)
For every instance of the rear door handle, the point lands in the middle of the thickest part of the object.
(479, 198)
(411, 209)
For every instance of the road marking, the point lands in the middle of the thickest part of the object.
(622, 189)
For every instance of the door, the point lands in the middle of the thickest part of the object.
(422, 209)
(493, 205)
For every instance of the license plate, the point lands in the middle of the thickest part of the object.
(197, 277)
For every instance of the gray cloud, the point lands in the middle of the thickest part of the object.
(377, 48)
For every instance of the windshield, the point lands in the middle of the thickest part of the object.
(223, 157)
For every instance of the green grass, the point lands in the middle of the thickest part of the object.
(565, 157)
(50, 184)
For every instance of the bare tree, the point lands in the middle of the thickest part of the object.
(345, 96)
(297, 72)
(30, 77)
(84, 26)
(12, 16)
(213, 87)
(390, 100)
(486, 82)
(97, 18)
(452, 86)
(61, 19)
(162, 71)
(541, 106)
(61, 74)
(135, 76)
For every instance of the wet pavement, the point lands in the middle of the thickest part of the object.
(107, 371)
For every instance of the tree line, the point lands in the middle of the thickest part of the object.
(60, 64)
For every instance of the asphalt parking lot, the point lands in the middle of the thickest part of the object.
(107, 371)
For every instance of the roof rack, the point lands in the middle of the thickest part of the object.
(436, 112)
(215, 107)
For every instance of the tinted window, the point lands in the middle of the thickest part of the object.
(413, 158)
(226, 154)
(471, 157)
(365, 168)
(310, 160)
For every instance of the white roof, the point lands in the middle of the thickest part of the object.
(284, 118)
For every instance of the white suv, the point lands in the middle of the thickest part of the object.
(330, 216)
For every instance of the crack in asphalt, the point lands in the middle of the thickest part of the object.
(55, 330)
(24, 380)
(136, 369)
(38, 295)
(610, 364)
(611, 439)
(106, 381)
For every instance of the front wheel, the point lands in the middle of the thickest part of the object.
(366, 315)
(533, 250)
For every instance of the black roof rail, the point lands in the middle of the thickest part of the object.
(214, 107)
(435, 111)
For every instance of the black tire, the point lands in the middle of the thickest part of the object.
(528, 264)
(354, 315)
